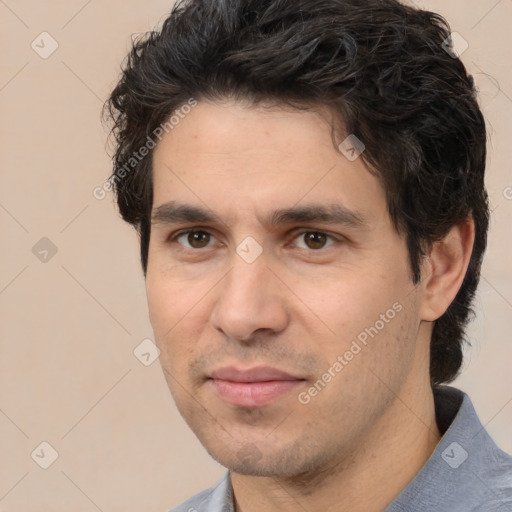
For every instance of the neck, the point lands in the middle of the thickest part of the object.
(367, 477)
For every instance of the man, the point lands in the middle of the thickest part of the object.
(307, 179)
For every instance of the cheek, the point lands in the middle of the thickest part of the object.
(178, 315)
(360, 378)
(166, 308)
(371, 328)
(345, 305)
(161, 305)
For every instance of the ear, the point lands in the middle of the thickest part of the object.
(445, 268)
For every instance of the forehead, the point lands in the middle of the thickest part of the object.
(235, 157)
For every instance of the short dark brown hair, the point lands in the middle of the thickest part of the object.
(383, 67)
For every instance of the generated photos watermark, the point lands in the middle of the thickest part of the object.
(358, 344)
(136, 157)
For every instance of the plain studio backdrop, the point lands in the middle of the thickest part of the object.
(74, 396)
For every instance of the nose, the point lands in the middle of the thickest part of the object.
(250, 298)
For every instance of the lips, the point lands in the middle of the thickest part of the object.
(253, 387)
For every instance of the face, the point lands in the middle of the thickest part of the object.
(279, 292)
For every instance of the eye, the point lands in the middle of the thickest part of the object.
(200, 239)
(314, 240)
(197, 239)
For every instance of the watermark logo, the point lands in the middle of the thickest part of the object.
(44, 455)
(44, 45)
(352, 147)
(455, 45)
(249, 454)
(44, 250)
(136, 157)
(146, 352)
(454, 455)
(249, 249)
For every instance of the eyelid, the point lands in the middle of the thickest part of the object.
(175, 234)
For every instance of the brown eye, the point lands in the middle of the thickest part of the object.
(195, 239)
(198, 239)
(315, 240)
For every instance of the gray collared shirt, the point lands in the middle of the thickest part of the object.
(467, 472)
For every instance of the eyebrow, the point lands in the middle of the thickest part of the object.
(174, 212)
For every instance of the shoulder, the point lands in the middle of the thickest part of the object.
(467, 472)
(496, 476)
(478, 471)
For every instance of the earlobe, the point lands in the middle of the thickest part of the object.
(447, 265)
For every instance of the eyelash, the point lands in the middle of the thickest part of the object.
(177, 235)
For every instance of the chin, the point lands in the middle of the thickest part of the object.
(250, 461)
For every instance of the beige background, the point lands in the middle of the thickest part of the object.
(69, 325)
